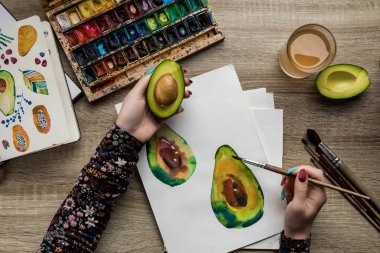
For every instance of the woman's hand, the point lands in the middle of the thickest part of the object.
(135, 116)
(304, 201)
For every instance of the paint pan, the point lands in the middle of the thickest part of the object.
(74, 16)
(151, 45)
(182, 30)
(86, 9)
(172, 13)
(132, 9)
(81, 34)
(108, 3)
(122, 14)
(101, 47)
(121, 59)
(63, 20)
(72, 38)
(204, 20)
(152, 23)
(100, 69)
(195, 5)
(142, 28)
(132, 33)
(193, 25)
(91, 52)
(110, 64)
(113, 42)
(161, 40)
(103, 23)
(183, 8)
(162, 18)
(89, 75)
(112, 19)
(92, 29)
(97, 6)
(80, 56)
(171, 36)
(145, 5)
(131, 55)
(158, 2)
(123, 37)
(141, 49)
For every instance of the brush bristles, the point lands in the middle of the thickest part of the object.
(313, 137)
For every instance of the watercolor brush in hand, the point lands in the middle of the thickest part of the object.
(283, 172)
(339, 165)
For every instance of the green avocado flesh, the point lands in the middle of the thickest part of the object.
(236, 196)
(7, 93)
(170, 157)
(342, 81)
(166, 89)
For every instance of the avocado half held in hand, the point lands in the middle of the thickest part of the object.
(342, 81)
(166, 89)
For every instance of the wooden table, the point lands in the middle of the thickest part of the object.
(255, 30)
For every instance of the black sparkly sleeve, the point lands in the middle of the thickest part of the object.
(289, 245)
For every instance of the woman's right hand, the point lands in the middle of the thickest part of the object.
(304, 201)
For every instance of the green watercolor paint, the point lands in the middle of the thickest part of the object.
(162, 18)
(172, 13)
(152, 24)
(183, 8)
(195, 5)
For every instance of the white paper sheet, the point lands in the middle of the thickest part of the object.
(183, 213)
(5, 19)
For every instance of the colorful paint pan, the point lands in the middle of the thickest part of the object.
(80, 56)
(100, 69)
(161, 40)
(171, 36)
(195, 5)
(103, 23)
(132, 33)
(142, 28)
(123, 37)
(158, 2)
(151, 45)
(122, 14)
(152, 23)
(110, 64)
(63, 20)
(86, 9)
(204, 19)
(182, 31)
(108, 3)
(81, 34)
(101, 47)
(74, 17)
(112, 19)
(91, 52)
(92, 29)
(97, 6)
(172, 13)
(72, 38)
(113, 42)
(90, 75)
(183, 8)
(193, 25)
(144, 5)
(162, 18)
(132, 9)
(131, 55)
(141, 49)
(121, 59)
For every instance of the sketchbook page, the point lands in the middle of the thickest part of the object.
(32, 116)
(257, 98)
(7, 18)
(184, 213)
(71, 119)
(270, 100)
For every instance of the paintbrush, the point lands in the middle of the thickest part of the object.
(283, 172)
(336, 178)
(338, 164)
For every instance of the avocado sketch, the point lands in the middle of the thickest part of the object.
(236, 196)
(170, 157)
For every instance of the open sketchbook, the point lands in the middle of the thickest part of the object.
(36, 111)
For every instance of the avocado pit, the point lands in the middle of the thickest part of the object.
(234, 192)
(172, 156)
(166, 91)
(3, 85)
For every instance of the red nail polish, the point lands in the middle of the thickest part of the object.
(302, 176)
(283, 181)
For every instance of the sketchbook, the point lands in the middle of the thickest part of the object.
(36, 112)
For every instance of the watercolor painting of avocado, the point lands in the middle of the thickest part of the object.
(170, 157)
(236, 196)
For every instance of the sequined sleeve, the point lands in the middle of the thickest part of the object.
(84, 214)
(289, 245)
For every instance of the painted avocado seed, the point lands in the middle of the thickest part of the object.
(166, 91)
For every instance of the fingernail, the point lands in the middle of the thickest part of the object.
(290, 171)
(283, 181)
(302, 175)
(282, 194)
(150, 71)
(190, 92)
(191, 81)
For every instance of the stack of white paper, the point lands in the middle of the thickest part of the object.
(219, 113)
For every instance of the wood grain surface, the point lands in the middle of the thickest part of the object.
(255, 30)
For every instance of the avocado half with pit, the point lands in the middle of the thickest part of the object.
(342, 81)
(166, 89)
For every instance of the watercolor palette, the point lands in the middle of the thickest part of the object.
(112, 43)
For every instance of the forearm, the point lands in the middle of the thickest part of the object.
(84, 214)
(289, 245)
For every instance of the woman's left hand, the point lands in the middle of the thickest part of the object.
(135, 116)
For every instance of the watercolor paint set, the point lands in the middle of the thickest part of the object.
(112, 43)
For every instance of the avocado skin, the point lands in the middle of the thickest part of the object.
(157, 168)
(7, 105)
(228, 216)
(165, 67)
(319, 82)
